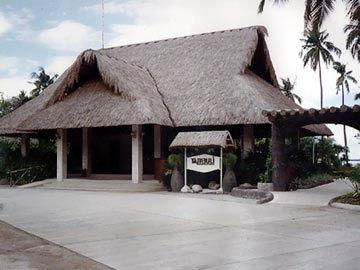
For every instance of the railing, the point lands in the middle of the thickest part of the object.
(25, 176)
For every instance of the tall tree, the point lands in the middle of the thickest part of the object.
(287, 87)
(8, 105)
(317, 48)
(41, 81)
(342, 84)
(353, 38)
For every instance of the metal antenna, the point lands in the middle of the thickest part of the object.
(102, 23)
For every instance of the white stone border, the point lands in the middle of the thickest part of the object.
(345, 206)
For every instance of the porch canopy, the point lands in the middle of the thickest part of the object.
(284, 121)
(201, 139)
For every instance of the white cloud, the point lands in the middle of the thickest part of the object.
(5, 24)
(58, 65)
(11, 86)
(70, 36)
(15, 21)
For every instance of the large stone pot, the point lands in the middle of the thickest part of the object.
(229, 180)
(177, 180)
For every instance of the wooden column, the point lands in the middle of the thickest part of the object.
(61, 153)
(25, 145)
(248, 140)
(157, 141)
(137, 154)
(279, 175)
(86, 150)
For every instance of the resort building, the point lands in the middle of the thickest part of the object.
(115, 111)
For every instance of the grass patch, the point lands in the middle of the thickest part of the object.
(313, 181)
(349, 198)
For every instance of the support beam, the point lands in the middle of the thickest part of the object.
(157, 141)
(279, 175)
(248, 140)
(137, 154)
(25, 145)
(86, 151)
(61, 153)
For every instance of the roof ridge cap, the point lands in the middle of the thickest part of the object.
(257, 27)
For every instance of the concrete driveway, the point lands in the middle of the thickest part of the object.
(162, 231)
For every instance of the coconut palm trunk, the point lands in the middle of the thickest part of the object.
(344, 127)
(321, 87)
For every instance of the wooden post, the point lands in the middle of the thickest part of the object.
(185, 188)
(157, 141)
(61, 153)
(220, 190)
(86, 150)
(279, 175)
(248, 140)
(25, 145)
(137, 154)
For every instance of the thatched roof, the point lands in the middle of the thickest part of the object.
(220, 138)
(218, 78)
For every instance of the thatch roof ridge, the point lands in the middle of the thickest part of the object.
(260, 28)
(216, 138)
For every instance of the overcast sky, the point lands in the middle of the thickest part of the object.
(51, 33)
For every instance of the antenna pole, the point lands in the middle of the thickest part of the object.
(102, 23)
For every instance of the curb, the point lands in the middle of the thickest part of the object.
(344, 206)
(36, 184)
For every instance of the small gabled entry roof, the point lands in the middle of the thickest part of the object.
(220, 138)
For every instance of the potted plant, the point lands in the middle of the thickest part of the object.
(265, 183)
(229, 180)
(177, 181)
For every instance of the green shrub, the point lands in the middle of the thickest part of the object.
(313, 180)
(40, 164)
(229, 160)
(355, 179)
(175, 160)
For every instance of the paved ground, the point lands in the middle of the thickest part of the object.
(158, 231)
(21, 250)
(318, 196)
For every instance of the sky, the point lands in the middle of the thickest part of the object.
(52, 33)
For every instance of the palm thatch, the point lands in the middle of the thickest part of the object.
(219, 138)
(95, 105)
(218, 78)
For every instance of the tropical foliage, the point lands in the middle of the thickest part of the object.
(7, 105)
(41, 81)
(316, 49)
(287, 87)
(342, 83)
(316, 12)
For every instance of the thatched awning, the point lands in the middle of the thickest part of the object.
(203, 139)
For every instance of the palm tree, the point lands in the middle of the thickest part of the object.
(287, 88)
(42, 80)
(316, 12)
(316, 48)
(353, 38)
(342, 83)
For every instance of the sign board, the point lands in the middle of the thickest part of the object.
(203, 163)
